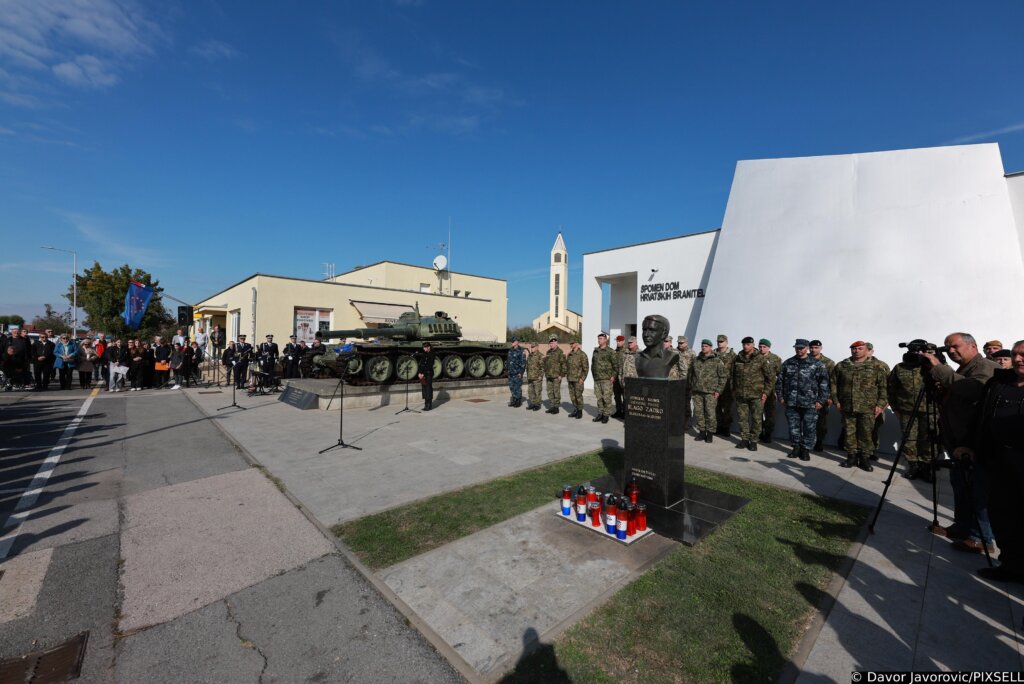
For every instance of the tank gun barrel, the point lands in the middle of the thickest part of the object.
(399, 332)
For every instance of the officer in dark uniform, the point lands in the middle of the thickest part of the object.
(426, 374)
(268, 359)
(291, 358)
(243, 352)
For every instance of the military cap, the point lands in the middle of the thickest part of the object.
(800, 343)
(532, 345)
(765, 341)
(682, 338)
(575, 343)
(723, 338)
(748, 340)
(706, 341)
(632, 338)
(602, 334)
(270, 337)
(553, 338)
(1001, 353)
(620, 338)
(514, 339)
(241, 337)
(858, 343)
(992, 343)
(815, 343)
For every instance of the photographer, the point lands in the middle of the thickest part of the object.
(997, 441)
(961, 391)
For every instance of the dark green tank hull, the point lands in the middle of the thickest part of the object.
(389, 362)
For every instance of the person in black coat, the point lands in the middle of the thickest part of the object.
(161, 355)
(227, 359)
(292, 353)
(243, 353)
(42, 361)
(426, 375)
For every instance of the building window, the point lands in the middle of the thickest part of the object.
(556, 307)
(558, 258)
(424, 287)
(556, 286)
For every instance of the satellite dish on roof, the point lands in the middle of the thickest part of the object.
(440, 263)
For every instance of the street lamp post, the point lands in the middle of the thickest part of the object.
(74, 282)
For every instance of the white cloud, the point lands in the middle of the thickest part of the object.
(987, 135)
(214, 50)
(109, 240)
(86, 71)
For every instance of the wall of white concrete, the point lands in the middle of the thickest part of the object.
(1015, 188)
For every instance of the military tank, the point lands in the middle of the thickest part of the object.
(393, 354)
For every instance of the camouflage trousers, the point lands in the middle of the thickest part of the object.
(515, 386)
(768, 424)
(535, 387)
(749, 413)
(875, 430)
(822, 422)
(704, 411)
(858, 429)
(723, 411)
(802, 425)
(917, 446)
(603, 392)
(576, 393)
(555, 392)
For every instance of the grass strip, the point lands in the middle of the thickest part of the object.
(392, 536)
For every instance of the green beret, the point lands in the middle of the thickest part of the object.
(765, 341)
(706, 341)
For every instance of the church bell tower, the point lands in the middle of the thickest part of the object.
(559, 282)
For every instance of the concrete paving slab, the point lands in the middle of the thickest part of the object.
(481, 593)
(57, 525)
(21, 582)
(193, 543)
(324, 622)
(203, 646)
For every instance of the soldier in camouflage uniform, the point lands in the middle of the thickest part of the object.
(578, 368)
(686, 357)
(802, 387)
(555, 369)
(904, 386)
(707, 378)
(535, 376)
(604, 366)
(752, 382)
(823, 413)
(774, 366)
(620, 351)
(628, 367)
(858, 390)
(883, 368)
(516, 368)
(723, 412)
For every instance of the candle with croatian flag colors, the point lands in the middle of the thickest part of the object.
(566, 499)
(610, 511)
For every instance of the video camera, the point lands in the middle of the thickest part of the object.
(919, 346)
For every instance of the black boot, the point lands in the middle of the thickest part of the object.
(864, 463)
(851, 460)
(911, 472)
(794, 453)
(752, 446)
(553, 410)
(700, 436)
(428, 405)
(618, 414)
(604, 419)
(766, 438)
(535, 407)
(598, 419)
(742, 444)
(708, 437)
(804, 455)
(817, 447)
(512, 401)
(579, 414)
(924, 472)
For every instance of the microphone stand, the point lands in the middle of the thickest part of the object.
(233, 404)
(406, 409)
(341, 420)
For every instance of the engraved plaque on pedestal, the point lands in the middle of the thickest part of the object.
(655, 438)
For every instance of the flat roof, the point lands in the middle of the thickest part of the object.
(329, 283)
(651, 242)
(422, 268)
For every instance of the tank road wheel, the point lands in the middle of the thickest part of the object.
(406, 368)
(453, 366)
(495, 366)
(437, 366)
(475, 366)
(378, 369)
(355, 365)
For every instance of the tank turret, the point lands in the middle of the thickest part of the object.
(409, 327)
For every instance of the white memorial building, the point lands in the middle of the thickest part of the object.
(883, 246)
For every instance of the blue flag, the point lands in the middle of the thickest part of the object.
(135, 303)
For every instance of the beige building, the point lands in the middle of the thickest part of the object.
(558, 319)
(366, 297)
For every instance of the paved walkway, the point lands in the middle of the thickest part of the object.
(183, 562)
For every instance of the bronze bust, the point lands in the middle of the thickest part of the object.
(655, 361)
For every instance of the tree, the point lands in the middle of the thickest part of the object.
(101, 296)
(12, 319)
(525, 333)
(51, 320)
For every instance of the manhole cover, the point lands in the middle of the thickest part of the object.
(477, 401)
(209, 392)
(60, 664)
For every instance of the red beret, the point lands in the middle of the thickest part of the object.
(858, 343)
(620, 338)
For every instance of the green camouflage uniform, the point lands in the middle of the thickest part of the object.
(707, 376)
(884, 370)
(751, 381)
(904, 385)
(685, 364)
(604, 367)
(578, 369)
(628, 367)
(823, 411)
(617, 384)
(723, 412)
(858, 388)
(774, 363)
(554, 370)
(535, 376)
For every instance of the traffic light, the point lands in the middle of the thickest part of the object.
(184, 315)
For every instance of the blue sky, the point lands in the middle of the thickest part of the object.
(207, 140)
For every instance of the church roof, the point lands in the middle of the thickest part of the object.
(559, 244)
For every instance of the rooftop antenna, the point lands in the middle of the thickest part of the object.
(328, 271)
